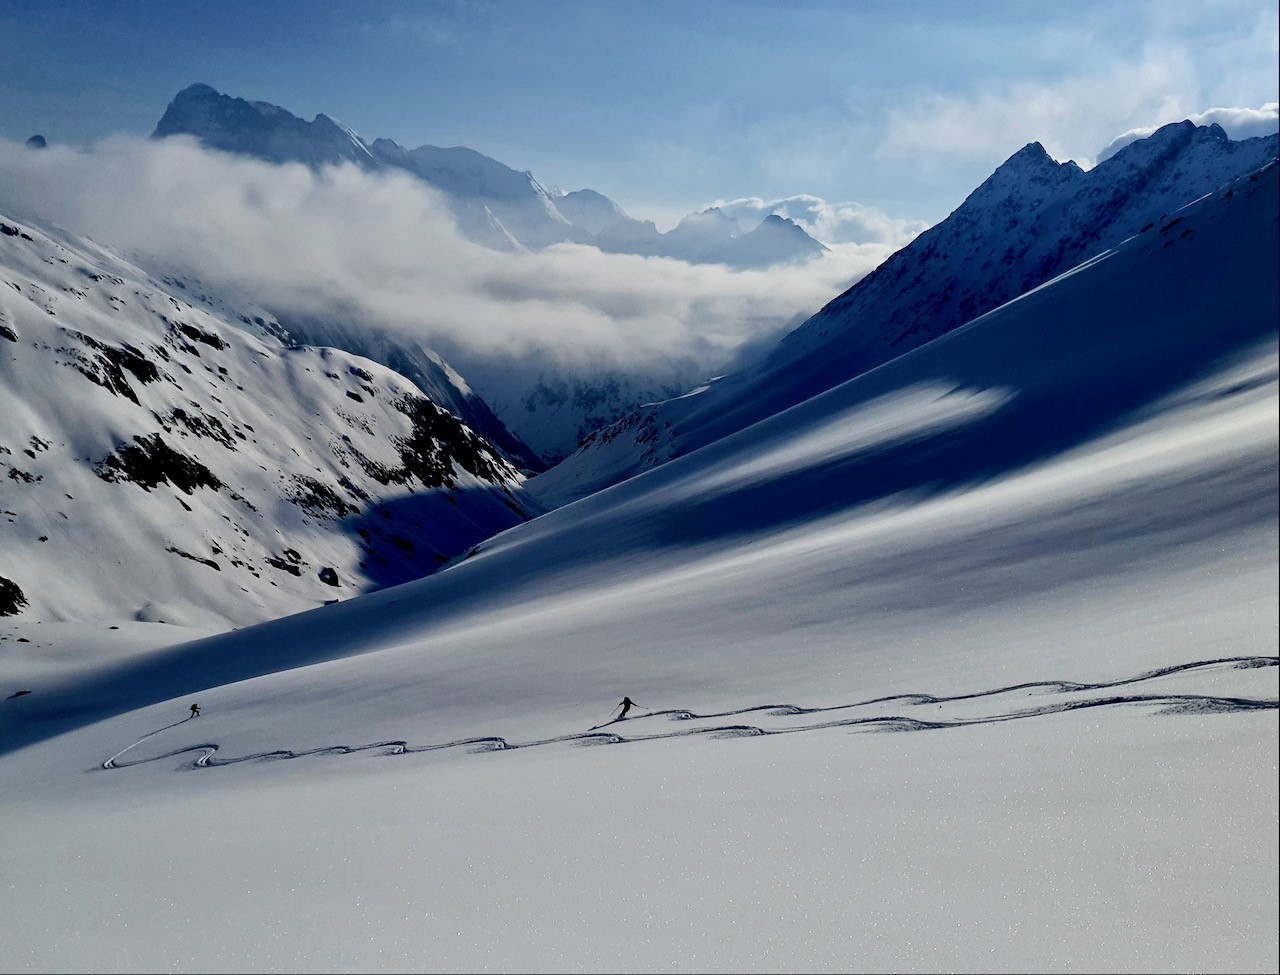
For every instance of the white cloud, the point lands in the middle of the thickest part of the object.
(1070, 117)
(831, 223)
(382, 249)
(1238, 123)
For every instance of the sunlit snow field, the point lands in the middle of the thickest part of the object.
(947, 675)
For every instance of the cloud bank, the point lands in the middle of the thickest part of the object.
(1070, 116)
(382, 249)
(1238, 123)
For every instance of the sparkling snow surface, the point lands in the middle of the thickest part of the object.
(967, 664)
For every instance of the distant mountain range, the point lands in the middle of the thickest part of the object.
(1032, 219)
(493, 204)
(172, 454)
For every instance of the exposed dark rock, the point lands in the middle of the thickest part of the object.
(8, 333)
(107, 368)
(318, 499)
(12, 598)
(329, 576)
(199, 424)
(198, 335)
(37, 141)
(289, 561)
(194, 558)
(149, 461)
(437, 441)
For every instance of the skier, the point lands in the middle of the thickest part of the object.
(195, 710)
(627, 704)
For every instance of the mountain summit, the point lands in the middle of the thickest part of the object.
(494, 205)
(260, 129)
(1030, 220)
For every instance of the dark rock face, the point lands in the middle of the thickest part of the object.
(318, 499)
(12, 598)
(438, 439)
(149, 462)
(106, 365)
(329, 576)
(36, 142)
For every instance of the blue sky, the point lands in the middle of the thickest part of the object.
(665, 107)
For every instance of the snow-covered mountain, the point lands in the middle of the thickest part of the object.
(540, 413)
(1032, 219)
(966, 664)
(160, 460)
(260, 129)
(713, 237)
(433, 376)
(494, 204)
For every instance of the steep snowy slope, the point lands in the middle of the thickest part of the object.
(159, 462)
(969, 663)
(434, 377)
(1032, 219)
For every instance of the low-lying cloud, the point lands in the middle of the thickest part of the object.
(381, 248)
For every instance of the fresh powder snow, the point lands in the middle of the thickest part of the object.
(967, 663)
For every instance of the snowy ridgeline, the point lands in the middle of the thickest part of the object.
(494, 204)
(969, 663)
(1032, 219)
(160, 461)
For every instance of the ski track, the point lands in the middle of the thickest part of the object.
(1172, 704)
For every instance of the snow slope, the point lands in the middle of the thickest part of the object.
(1032, 219)
(967, 664)
(159, 461)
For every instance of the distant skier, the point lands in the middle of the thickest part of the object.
(627, 704)
(195, 710)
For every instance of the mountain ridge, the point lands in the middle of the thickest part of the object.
(1032, 219)
(494, 204)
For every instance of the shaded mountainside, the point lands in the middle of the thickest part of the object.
(161, 461)
(1033, 219)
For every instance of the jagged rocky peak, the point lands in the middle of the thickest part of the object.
(711, 221)
(774, 240)
(259, 129)
(1030, 166)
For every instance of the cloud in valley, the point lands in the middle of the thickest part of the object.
(383, 249)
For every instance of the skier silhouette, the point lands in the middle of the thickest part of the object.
(195, 710)
(627, 704)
